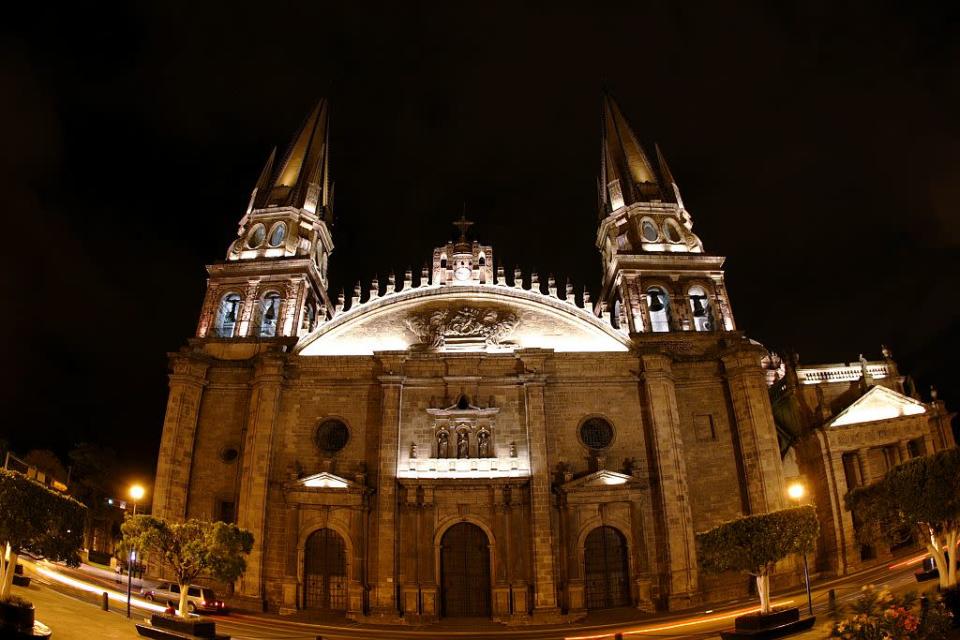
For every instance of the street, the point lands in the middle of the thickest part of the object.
(81, 595)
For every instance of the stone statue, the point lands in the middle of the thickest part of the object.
(483, 445)
(443, 445)
(463, 445)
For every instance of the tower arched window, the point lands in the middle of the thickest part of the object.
(269, 315)
(482, 260)
(658, 304)
(443, 261)
(701, 309)
(228, 315)
(278, 234)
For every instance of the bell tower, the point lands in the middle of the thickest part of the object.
(656, 276)
(273, 282)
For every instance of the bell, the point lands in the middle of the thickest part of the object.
(656, 304)
(698, 310)
(271, 314)
(231, 315)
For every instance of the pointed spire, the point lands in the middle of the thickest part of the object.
(263, 182)
(626, 173)
(302, 178)
(668, 175)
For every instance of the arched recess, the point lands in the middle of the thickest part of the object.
(325, 571)
(606, 568)
(464, 568)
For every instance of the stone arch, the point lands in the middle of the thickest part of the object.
(308, 528)
(460, 583)
(609, 589)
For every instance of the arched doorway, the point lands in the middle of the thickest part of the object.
(465, 571)
(606, 570)
(325, 571)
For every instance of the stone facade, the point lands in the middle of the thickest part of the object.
(469, 443)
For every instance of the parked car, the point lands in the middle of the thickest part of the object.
(928, 569)
(199, 599)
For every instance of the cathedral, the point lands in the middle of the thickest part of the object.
(471, 442)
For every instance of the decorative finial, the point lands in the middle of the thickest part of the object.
(463, 224)
(934, 394)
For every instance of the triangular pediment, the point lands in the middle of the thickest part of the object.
(324, 480)
(879, 403)
(603, 479)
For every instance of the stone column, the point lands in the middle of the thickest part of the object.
(383, 552)
(255, 465)
(291, 552)
(678, 559)
(188, 377)
(903, 451)
(543, 570)
(863, 466)
(428, 581)
(756, 431)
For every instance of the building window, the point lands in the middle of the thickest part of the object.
(596, 433)
(278, 234)
(269, 313)
(672, 231)
(658, 303)
(916, 448)
(701, 309)
(227, 315)
(649, 231)
(226, 511)
(703, 427)
(851, 470)
(257, 234)
(332, 436)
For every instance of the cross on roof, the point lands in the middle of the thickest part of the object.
(463, 224)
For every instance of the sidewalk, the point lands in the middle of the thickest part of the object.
(75, 617)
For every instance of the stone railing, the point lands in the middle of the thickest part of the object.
(841, 373)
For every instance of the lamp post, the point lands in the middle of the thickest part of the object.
(797, 491)
(136, 493)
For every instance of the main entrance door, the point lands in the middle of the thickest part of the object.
(465, 571)
(325, 571)
(606, 573)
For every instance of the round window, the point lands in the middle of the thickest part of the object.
(278, 234)
(229, 454)
(255, 239)
(332, 435)
(596, 433)
(672, 231)
(650, 233)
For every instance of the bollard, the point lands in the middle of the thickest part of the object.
(832, 600)
(105, 605)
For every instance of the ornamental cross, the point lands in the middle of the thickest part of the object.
(463, 224)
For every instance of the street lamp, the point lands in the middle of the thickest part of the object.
(797, 491)
(136, 493)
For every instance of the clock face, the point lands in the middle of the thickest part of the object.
(462, 273)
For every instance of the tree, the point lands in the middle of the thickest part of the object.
(754, 544)
(191, 548)
(36, 518)
(922, 494)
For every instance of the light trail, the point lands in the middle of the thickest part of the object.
(908, 561)
(677, 625)
(90, 588)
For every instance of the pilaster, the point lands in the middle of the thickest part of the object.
(255, 468)
(542, 551)
(756, 431)
(188, 377)
(678, 548)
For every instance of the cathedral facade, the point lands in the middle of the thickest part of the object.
(469, 442)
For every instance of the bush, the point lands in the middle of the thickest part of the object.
(879, 615)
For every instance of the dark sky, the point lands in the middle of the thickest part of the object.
(816, 146)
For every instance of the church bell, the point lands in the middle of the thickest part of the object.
(698, 310)
(656, 304)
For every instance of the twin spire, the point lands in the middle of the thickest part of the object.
(627, 174)
(302, 178)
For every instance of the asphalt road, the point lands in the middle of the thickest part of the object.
(698, 624)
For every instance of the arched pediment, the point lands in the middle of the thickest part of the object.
(462, 318)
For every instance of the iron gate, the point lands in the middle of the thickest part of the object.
(325, 571)
(606, 572)
(465, 571)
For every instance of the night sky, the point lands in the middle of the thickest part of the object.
(816, 146)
